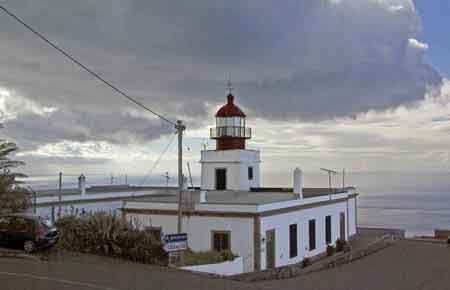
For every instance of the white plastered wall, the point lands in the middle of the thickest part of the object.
(199, 230)
(352, 218)
(236, 162)
(281, 224)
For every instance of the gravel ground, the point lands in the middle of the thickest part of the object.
(407, 265)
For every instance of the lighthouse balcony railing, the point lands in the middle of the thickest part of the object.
(231, 131)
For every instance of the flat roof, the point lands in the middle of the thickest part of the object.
(100, 189)
(237, 197)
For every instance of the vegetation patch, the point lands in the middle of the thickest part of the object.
(109, 235)
(203, 258)
(13, 197)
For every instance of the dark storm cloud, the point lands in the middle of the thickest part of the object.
(303, 60)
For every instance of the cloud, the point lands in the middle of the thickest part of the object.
(413, 138)
(291, 61)
(417, 44)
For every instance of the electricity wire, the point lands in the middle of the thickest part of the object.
(77, 62)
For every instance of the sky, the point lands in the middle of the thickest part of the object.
(355, 84)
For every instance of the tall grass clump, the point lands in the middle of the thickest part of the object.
(109, 235)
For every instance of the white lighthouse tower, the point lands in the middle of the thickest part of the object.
(230, 166)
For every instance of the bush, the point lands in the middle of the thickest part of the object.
(340, 245)
(330, 250)
(227, 255)
(306, 262)
(210, 257)
(109, 235)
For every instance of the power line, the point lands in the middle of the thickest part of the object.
(157, 161)
(74, 60)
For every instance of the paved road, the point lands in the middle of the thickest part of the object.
(102, 274)
(407, 265)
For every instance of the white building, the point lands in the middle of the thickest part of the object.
(268, 227)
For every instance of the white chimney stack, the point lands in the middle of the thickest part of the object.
(82, 184)
(298, 182)
(203, 196)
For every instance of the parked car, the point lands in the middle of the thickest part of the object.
(27, 232)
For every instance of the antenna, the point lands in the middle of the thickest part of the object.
(229, 85)
(167, 177)
(330, 172)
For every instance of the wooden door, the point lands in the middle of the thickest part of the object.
(221, 179)
(270, 249)
(342, 226)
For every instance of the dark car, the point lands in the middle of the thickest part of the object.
(27, 232)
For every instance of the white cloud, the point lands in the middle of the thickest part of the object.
(300, 68)
(417, 44)
(13, 105)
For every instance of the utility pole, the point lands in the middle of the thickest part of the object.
(180, 128)
(343, 179)
(59, 194)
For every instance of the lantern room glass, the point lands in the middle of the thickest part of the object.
(230, 127)
(230, 122)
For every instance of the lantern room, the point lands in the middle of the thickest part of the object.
(230, 132)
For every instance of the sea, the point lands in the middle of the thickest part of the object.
(416, 202)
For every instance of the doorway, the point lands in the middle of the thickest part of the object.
(221, 179)
(342, 226)
(270, 249)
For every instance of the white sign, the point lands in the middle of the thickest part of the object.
(175, 242)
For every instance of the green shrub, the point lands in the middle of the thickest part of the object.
(330, 250)
(109, 235)
(209, 257)
(227, 255)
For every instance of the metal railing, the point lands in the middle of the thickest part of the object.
(231, 131)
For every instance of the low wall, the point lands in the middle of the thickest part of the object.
(327, 263)
(224, 269)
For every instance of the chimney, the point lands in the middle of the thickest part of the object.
(298, 182)
(203, 196)
(82, 184)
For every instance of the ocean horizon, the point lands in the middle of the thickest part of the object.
(416, 202)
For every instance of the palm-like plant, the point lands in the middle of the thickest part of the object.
(13, 197)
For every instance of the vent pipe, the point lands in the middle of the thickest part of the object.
(82, 184)
(203, 196)
(298, 182)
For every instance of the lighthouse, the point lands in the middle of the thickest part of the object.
(230, 166)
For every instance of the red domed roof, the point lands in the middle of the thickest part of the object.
(230, 109)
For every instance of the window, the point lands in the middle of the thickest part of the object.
(250, 173)
(328, 229)
(155, 232)
(312, 235)
(293, 251)
(220, 241)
